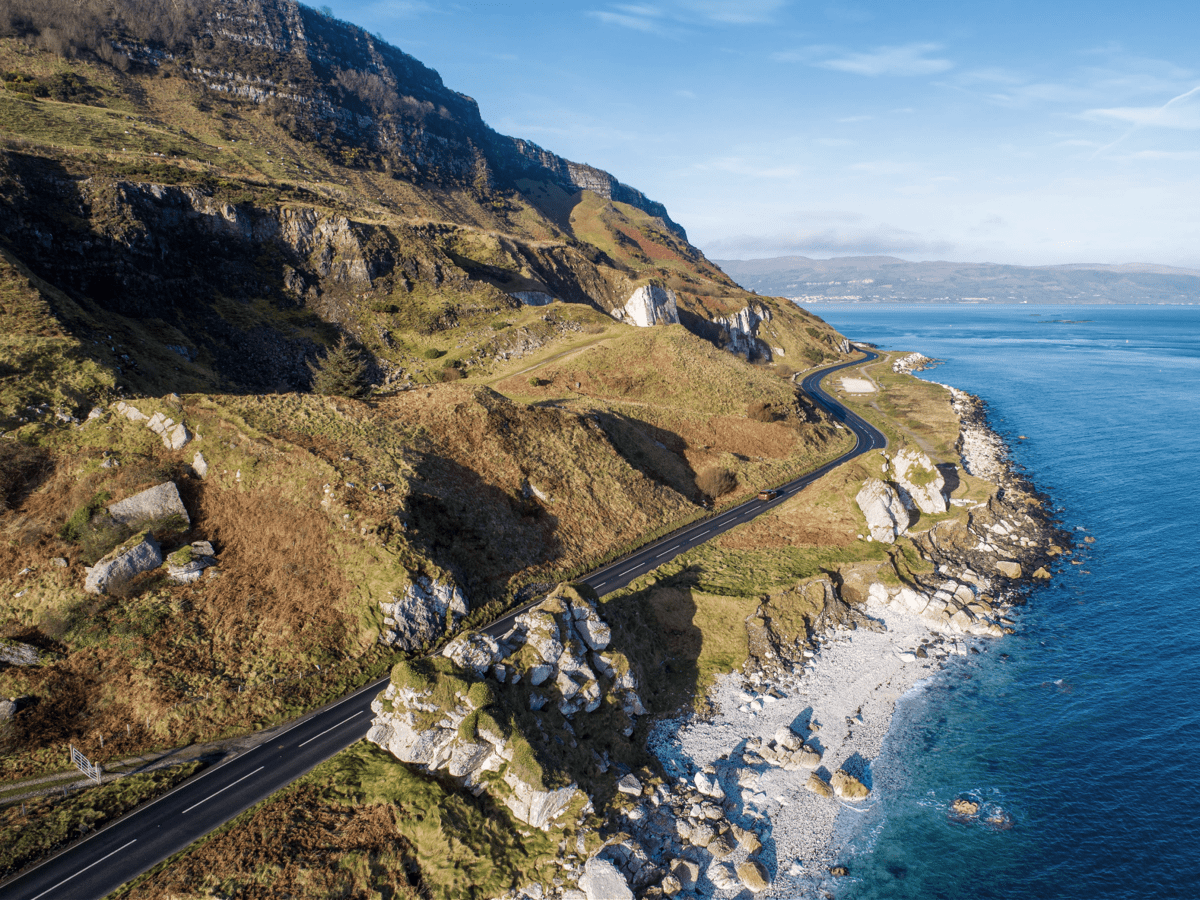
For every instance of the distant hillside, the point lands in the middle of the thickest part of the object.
(887, 279)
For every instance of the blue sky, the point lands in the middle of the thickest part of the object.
(1018, 132)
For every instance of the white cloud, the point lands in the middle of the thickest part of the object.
(735, 12)
(833, 241)
(631, 17)
(1160, 155)
(910, 59)
(663, 18)
(1180, 117)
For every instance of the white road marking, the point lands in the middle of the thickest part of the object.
(327, 730)
(627, 571)
(223, 790)
(665, 552)
(85, 868)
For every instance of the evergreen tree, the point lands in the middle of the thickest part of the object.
(340, 372)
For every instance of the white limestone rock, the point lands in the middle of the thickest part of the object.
(533, 298)
(603, 881)
(916, 474)
(140, 554)
(200, 465)
(886, 516)
(425, 610)
(742, 330)
(650, 305)
(151, 505)
(475, 651)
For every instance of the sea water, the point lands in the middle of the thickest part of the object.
(1084, 725)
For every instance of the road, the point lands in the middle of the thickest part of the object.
(150, 834)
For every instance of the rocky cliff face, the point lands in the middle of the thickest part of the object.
(649, 305)
(741, 331)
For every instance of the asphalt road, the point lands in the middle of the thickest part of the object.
(133, 844)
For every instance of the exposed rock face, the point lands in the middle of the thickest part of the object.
(425, 610)
(152, 505)
(886, 516)
(463, 738)
(533, 298)
(188, 565)
(14, 653)
(1008, 568)
(603, 881)
(174, 434)
(649, 305)
(200, 465)
(918, 476)
(8, 709)
(140, 554)
(741, 330)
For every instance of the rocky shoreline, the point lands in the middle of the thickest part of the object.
(753, 792)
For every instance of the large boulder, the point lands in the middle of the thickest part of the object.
(753, 875)
(139, 554)
(916, 474)
(15, 653)
(885, 513)
(475, 651)
(650, 305)
(152, 505)
(603, 881)
(423, 612)
(847, 786)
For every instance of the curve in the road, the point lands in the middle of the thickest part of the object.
(145, 837)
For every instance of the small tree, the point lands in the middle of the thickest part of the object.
(716, 481)
(340, 372)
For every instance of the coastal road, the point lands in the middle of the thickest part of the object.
(123, 850)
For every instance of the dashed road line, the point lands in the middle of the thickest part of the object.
(222, 790)
(85, 868)
(327, 730)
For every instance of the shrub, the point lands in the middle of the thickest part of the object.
(451, 374)
(433, 353)
(75, 528)
(716, 481)
(341, 372)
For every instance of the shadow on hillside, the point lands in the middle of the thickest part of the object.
(479, 533)
(655, 452)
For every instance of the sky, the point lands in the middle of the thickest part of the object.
(1018, 132)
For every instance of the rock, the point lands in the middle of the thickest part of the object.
(747, 840)
(788, 739)
(533, 298)
(595, 633)
(152, 505)
(920, 478)
(139, 554)
(130, 412)
(475, 651)
(1000, 819)
(58, 562)
(8, 709)
(742, 330)
(670, 884)
(537, 808)
(650, 305)
(176, 437)
(203, 548)
(15, 653)
(885, 513)
(722, 877)
(964, 808)
(819, 786)
(686, 871)
(1041, 574)
(424, 611)
(1008, 568)
(200, 465)
(839, 871)
(603, 881)
(709, 786)
(538, 674)
(847, 786)
(703, 834)
(187, 572)
(722, 846)
(753, 875)
(630, 785)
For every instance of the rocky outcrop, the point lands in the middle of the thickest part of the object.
(920, 479)
(913, 362)
(137, 555)
(447, 716)
(15, 653)
(887, 518)
(741, 331)
(188, 563)
(175, 435)
(424, 611)
(157, 504)
(753, 875)
(533, 298)
(649, 305)
(847, 786)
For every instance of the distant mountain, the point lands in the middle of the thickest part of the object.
(887, 279)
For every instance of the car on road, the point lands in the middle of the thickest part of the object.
(767, 495)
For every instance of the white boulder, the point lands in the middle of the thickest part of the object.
(886, 516)
(916, 473)
(425, 610)
(142, 554)
(650, 305)
(151, 505)
(603, 881)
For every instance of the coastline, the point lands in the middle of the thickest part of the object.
(839, 697)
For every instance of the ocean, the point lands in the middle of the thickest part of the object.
(1084, 725)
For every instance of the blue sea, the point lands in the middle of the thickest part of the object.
(1085, 724)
